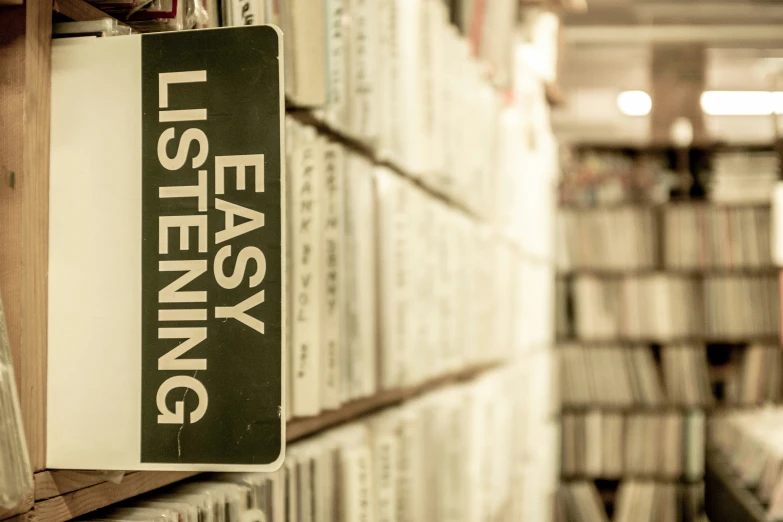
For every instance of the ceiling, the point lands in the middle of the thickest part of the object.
(608, 50)
(643, 12)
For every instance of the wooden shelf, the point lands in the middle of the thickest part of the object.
(63, 495)
(25, 44)
(300, 428)
(53, 483)
(102, 494)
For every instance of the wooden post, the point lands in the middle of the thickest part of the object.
(678, 80)
(25, 80)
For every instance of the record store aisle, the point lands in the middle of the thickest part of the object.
(251, 289)
(353, 261)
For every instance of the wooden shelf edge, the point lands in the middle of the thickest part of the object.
(53, 483)
(300, 428)
(63, 494)
(76, 503)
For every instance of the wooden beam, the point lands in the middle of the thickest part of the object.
(25, 65)
(12, 80)
(678, 77)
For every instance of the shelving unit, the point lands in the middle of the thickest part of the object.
(25, 54)
(715, 344)
(726, 499)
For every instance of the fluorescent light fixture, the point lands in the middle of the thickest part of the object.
(742, 103)
(713, 103)
(634, 103)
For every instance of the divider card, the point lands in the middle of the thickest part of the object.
(390, 278)
(166, 287)
(332, 259)
(307, 271)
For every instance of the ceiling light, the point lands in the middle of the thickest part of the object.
(634, 103)
(742, 103)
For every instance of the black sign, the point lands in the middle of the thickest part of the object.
(212, 246)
